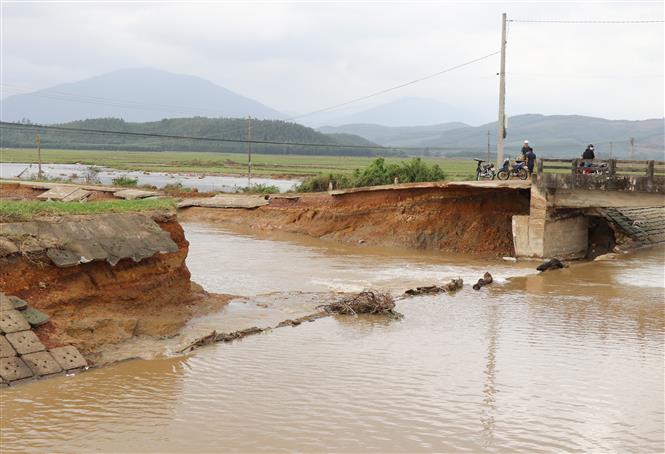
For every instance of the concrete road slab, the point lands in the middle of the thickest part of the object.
(41, 363)
(68, 357)
(12, 369)
(25, 342)
(6, 349)
(18, 303)
(35, 317)
(12, 321)
(5, 303)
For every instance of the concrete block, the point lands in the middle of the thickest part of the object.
(12, 369)
(5, 303)
(25, 342)
(12, 321)
(18, 303)
(68, 357)
(41, 363)
(6, 349)
(35, 317)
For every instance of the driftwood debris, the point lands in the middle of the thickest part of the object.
(486, 279)
(450, 287)
(366, 302)
(221, 337)
(553, 264)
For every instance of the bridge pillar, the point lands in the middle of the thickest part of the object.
(543, 235)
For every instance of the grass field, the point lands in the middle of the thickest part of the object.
(223, 163)
(23, 210)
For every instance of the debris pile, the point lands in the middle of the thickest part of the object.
(486, 279)
(450, 287)
(366, 302)
(553, 264)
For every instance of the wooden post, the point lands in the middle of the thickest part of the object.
(575, 166)
(539, 168)
(612, 167)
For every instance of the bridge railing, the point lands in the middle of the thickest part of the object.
(609, 167)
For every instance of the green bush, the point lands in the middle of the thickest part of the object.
(260, 189)
(126, 181)
(376, 174)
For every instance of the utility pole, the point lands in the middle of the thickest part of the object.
(488, 145)
(632, 148)
(502, 95)
(38, 141)
(249, 152)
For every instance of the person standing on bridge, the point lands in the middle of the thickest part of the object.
(530, 158)
(525, 149)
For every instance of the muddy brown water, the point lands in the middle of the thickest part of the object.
(570, 360)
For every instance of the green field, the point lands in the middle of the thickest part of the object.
(223, 163)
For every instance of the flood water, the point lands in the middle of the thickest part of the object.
(570, 360)
(204, 183)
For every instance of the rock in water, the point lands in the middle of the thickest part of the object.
(553, 264)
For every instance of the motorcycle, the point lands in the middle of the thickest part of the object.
(591, 168)
(484, 170)
(518, 170)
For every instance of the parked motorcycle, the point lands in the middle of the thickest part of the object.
(484, 170)
(592, 168)
(517, 170)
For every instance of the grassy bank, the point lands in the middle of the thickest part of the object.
(24, 210)
(225, 163)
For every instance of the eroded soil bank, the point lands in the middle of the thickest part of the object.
(96, 304)
(454, 219)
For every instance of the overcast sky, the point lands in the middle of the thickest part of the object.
(298, 57)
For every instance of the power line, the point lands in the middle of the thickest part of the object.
(22, 127)
(564, 21)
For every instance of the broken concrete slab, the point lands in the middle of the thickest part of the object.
(227, 201)
(41, 363)
(12, 321)
(35, 317)
(110, 237)
(5, 303)
(68, 357)
(65, 194)
(12, 369)
(25, 342)
(18, 303)
(6, 349)
(132, 194)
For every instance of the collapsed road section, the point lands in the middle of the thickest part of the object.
(102, 279)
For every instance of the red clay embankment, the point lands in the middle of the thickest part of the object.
(464, 219)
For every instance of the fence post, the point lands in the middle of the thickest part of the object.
(612, 167)
(539, 168)
(576, 164)
(650, 168)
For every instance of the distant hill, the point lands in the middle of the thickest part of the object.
(409, 111)
(142, 94)
(405, 136)
(223, 128)
(550, 135)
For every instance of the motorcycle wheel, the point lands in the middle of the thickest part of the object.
(477, 176)
(523, 174)
(502, 175)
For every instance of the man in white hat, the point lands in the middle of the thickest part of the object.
(525, 149)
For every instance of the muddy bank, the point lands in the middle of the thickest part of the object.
(455, 219)
(95, 304)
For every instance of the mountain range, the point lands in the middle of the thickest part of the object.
(150, 95)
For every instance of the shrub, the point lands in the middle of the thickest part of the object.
(124, 180)
(260, 189)
(321, 182)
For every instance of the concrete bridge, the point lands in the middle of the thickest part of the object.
(572, 211)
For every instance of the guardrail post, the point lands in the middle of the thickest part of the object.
(539, 167)
(650, 168)
(612, 167)
(576, 164)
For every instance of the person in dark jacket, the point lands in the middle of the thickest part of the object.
(530, 160)
(589, 153)
(525, 149)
